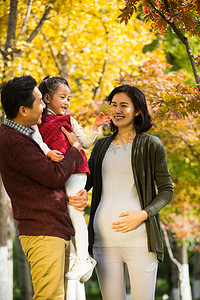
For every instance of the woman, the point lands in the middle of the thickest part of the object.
(124, 223)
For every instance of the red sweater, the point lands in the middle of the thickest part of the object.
(35, 184)
(55, 138)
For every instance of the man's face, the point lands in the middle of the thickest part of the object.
(34, 114)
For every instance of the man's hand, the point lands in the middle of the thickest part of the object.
(55, 155)
(71, 138)
(79, 201)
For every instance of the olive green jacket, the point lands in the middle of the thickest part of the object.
(150, 169)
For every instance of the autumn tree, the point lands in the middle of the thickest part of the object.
(182, 16)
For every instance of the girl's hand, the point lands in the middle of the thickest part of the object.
(55, 155)
(79, 201)
(131, 220)
(101, 119)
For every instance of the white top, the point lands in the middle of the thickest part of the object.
(118, 195)
(86, 140)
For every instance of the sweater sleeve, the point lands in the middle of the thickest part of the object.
(38, 138)
(89, 183)
(163, 182)
(86, 140)
(27, 158)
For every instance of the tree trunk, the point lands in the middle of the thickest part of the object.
(183, 268)
(196, 274)
(12, 21)
(175, 291)
(4, 278)
(185, 287)
(64, 64)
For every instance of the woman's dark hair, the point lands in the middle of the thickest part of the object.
(17, 92)
(142, 122)
(49, 85)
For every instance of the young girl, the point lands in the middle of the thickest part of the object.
(56, 94)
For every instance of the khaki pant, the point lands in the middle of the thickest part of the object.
(49, 261)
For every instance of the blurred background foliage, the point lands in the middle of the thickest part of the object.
(85, 42)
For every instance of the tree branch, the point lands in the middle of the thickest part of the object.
(41, 22)
(104, 64)
(177, 263)
(3, 51)
(166, 5)
(192, 149)
(26, 19)
(171, 24)
(183, 39)
(58, 65)
(192, 62)
(194, 127)
(106, 51)
(41, 64)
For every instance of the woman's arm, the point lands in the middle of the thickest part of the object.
(163, 182)
(132, 219)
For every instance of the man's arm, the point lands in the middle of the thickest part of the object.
(25, 155)
(79, 201)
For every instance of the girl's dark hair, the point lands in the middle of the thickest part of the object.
(143, 121)
(17, 92)
(49, 85)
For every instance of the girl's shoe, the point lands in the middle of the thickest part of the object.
(87, 276)
(80, 269)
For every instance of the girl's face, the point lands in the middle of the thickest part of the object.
(123, 111)
(59, 101)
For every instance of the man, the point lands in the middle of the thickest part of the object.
(35, 186)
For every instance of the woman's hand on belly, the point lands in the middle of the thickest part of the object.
(131, 220)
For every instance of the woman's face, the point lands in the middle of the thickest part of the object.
(122, 111)
(59, 101)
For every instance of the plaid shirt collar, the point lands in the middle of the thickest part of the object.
(25, 130)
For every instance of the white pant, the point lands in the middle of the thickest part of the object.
(75, 289)
(142, 268)
(74, 184)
